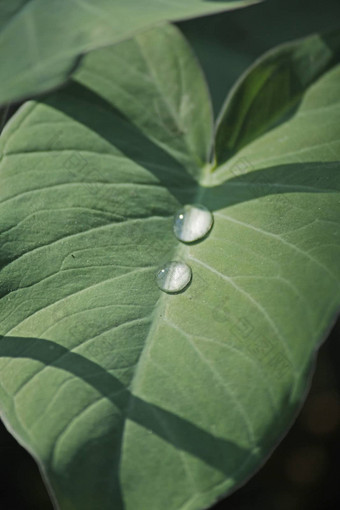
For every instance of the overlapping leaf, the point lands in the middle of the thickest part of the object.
(127, 397)
(41, 40)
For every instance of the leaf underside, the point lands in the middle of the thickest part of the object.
(126, 396)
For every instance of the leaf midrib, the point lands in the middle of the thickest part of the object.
(181, 252)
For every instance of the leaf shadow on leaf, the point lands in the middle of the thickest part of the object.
(223, 455)
(101, 117)
(280, 181)
(243, 182)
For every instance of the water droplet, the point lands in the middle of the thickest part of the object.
(174, 277)
(192, 222)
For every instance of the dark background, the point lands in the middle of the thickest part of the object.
(303, 472)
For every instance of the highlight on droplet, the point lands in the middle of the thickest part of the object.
(192, 222)
(174, 277)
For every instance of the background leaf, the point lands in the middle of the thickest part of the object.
(40, 40)
(228, 44)
(271, 90)
(126, 396)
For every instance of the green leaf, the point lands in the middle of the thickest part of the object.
(41, 40)
(271, 89)
(126, 396)
(228, 43)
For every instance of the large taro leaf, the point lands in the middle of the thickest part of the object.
(41, 40)
(126, 396)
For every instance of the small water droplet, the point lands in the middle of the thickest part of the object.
(192, 222)
(174, 277)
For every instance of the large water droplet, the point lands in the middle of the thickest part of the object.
(192, 222)
(174, 277)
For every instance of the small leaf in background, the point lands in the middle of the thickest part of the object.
(130, 397)
(271, 90)
(227, 44)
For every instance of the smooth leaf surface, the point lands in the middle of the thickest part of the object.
(126, 396)
(41, 40)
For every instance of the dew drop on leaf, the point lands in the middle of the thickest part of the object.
(192, 222)
(174, 277)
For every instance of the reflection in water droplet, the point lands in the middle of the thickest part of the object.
(192, 223)
(174, 277)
